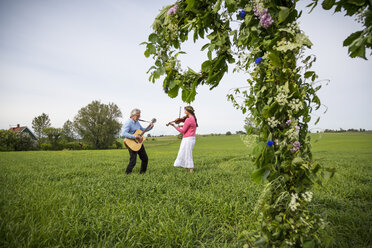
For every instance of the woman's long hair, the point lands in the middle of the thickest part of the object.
(192, 112)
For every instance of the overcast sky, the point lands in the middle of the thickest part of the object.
(58, 56)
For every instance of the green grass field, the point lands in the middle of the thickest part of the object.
(84, 198)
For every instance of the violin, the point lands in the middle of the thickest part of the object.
(178, 120)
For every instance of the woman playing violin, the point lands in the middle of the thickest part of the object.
(184, 158)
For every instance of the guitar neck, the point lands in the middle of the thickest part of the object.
(144, 131)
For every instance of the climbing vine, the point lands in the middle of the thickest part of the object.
(263, 38)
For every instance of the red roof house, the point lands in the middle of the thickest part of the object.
(24, 129)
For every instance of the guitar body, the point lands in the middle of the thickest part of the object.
(134, 145)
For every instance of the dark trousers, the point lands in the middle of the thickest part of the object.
(133, 159)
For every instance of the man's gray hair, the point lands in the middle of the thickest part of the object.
(134, 112)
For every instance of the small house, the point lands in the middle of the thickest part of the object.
(25, 129)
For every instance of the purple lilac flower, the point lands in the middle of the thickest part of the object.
(297, 144)
(297, 128)
(270, 143)
(256, 11)
(294, 149)
(242, 14)
(266, 20)
(172, 10)
(258, 60)
(288, 122)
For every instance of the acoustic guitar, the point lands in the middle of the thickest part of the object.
(134, 144)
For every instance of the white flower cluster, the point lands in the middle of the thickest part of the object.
(249, 140)
(259, 4)
(281, 97)
(295, 105)
(294, 204)
(302, 39)
(293, 27)
(173, 27)
(285, 45)
(289, 243)
(299, 39)
(308, 196)
(273, 122)
(292, 134)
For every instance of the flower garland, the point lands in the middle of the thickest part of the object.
(269, 45)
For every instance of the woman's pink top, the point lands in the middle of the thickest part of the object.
(189, 127)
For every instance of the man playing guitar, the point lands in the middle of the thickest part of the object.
(130, 127)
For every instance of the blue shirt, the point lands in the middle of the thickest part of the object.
(130, 127)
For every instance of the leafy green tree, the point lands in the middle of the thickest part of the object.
(228, 133)
(39, 123)
(24, 142)
(54, 136)
(68, 133)
(15, 141)
(98, 124)
(7, 140)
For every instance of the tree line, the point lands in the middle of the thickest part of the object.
(96, 126)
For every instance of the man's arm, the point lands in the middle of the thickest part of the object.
(126, 129)
(151, 126)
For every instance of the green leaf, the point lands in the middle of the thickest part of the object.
(283, 14)
(358, 51)
(217, 7)
(190, 4)
(206, 66)
(328, 4)
(317, 120)
(185, 92)
(172, 93)
(265, 111)
(248, 19)
(309, 244)
(258, 174)
(147, 53)
(312, 5)
(274, 58)
(231, 5)
(352, 37)
(151, 48)
(172, 85)
(188, 95)
(266, 174)
(309, 74)
(257, 150)
(153, 38)
(260, 242)
(357, 2)
(297, 161)
(205, 46)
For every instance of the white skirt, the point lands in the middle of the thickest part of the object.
(184, 157)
